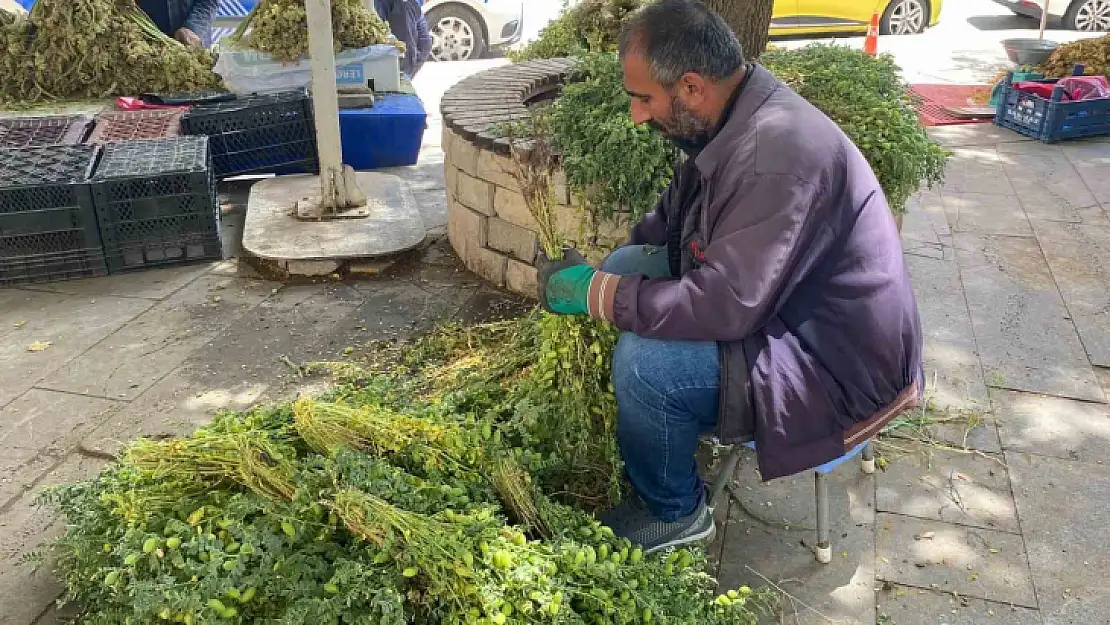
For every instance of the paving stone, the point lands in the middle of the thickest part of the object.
(756, 539)
(1091, 157)
(925, 230)
(1053, 426)
(964, 135)
(1047, 184)
(903, 605)
(986, 213)
(44, 422)
(954, 376)
(28, 590)
(976, 170)
(975, 562)
(137, 355)
(70, 323)
(243, 365)
(1079, 257)
(154, 283)
(1026, 340)
(1064, 516)
(942, 485)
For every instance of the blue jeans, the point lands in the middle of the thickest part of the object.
(666, 398)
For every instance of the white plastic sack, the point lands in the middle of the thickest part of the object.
(249, 71)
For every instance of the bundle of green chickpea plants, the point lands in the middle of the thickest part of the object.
(74, 49)
(280, 28)
(450, 480)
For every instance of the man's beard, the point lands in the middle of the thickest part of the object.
(685, 129)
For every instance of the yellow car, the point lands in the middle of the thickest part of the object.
(812, 17)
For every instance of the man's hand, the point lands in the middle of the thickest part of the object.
(188, 37)
(564, 284)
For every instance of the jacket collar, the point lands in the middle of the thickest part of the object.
(753, 91)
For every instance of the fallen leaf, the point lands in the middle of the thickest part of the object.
(38, 346)
(994, 550)
(20, 324)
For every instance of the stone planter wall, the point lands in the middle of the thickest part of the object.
(489, 225)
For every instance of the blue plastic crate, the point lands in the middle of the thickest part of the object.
(1051, 120)
(388, 134)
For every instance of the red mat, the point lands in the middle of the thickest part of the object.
(932, 103)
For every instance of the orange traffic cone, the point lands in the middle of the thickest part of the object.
(871, 44)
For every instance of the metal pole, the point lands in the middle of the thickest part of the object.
(1044, 18)
(333, 191)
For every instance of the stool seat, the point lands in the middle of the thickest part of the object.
(823, 550)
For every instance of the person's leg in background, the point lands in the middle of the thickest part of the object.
(667, 395)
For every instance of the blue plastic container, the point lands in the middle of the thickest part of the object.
(1051, 120)
(387, 135)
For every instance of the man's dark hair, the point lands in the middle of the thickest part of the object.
(681, 36)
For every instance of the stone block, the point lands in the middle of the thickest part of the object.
(520, 243)
(521, 278)
(497, 169)
(311, 267)
(510, 206)
(562, 190)
(466, 229)
(446, 136)
(487, 263)
(475, 193)
(463, 154)
(450, 179)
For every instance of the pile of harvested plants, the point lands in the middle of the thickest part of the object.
(329, 511)
(280, 28)
(76, 49)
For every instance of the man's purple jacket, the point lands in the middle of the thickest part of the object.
(790, 259)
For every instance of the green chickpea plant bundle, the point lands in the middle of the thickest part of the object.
(77, 49)
(280, 28)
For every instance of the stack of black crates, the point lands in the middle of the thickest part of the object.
(273, 133)
(156, 203)
(48, 227)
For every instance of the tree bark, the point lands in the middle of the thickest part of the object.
(749, 19)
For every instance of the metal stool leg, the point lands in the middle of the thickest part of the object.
(869, 457)
(724, 476)
(821, 491)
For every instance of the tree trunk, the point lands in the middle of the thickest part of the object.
(749, 19)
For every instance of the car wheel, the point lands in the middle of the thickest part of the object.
(1088, 15)
(905, 17)
(456, 34)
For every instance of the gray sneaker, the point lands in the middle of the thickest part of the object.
(633, 520)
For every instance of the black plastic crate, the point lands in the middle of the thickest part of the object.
(48, 227)
(257, 134)
(30, 132)
(156, 203)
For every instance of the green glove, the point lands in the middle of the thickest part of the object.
(564, 284)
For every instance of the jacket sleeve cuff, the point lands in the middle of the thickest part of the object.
(602, 293)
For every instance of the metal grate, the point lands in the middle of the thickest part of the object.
(134, 125)
(153, 157)
(25, 132)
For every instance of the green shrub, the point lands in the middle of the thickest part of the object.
(867, 98)
(616, 165)
(590, 26)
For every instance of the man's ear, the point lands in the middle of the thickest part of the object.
(693, 86)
